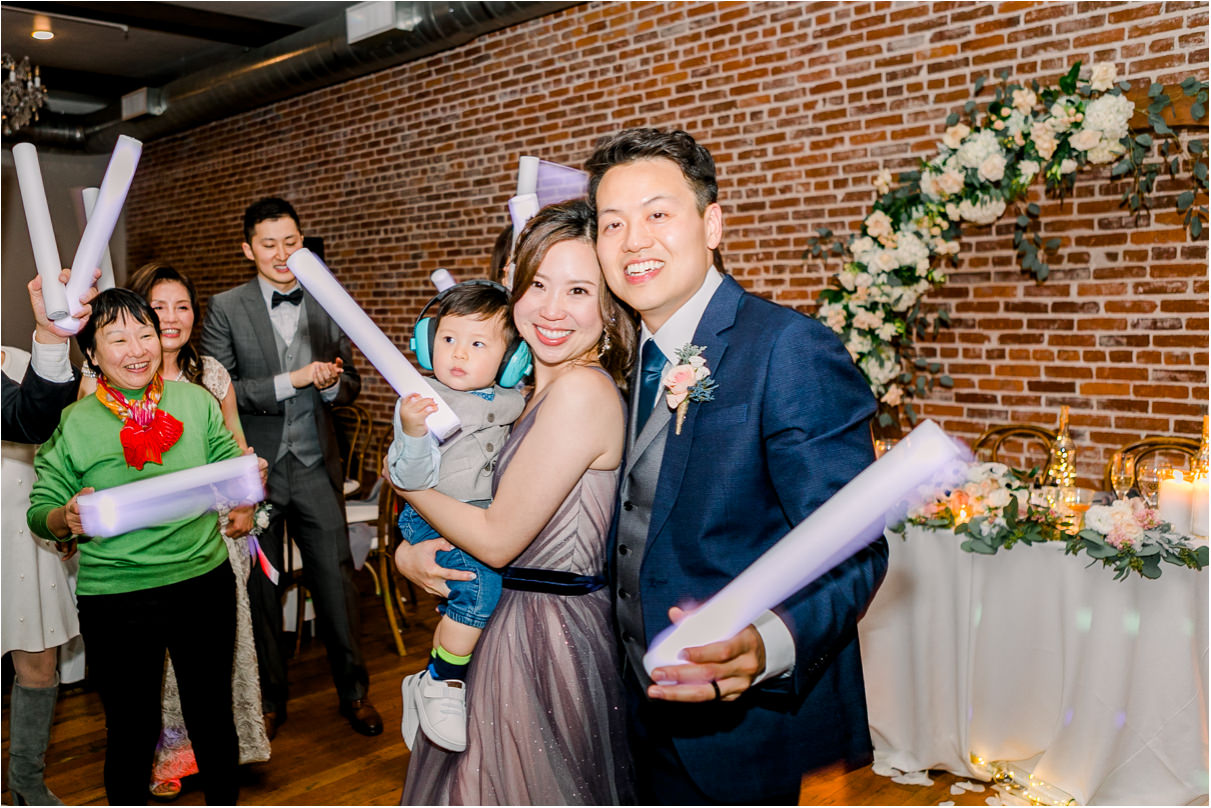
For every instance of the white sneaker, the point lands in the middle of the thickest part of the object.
(441, 707)
(411, 717)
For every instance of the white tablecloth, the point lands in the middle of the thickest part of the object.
(1098, 685)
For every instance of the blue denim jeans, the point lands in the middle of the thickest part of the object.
(471, 602)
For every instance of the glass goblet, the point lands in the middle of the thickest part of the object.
(1122, 475)
(1149, 480)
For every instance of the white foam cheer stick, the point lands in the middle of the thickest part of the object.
(106, 281)
(382, 353)
(171, 497)
(527, 175)
(442, 279)
(851, 519)
(110, 198)
(41, 231)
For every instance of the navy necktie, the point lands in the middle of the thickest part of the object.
(649, 381)
(294, 298)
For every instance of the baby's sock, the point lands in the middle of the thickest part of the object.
(445, 665)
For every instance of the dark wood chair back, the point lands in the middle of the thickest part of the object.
(1171, 447)
(1020, 445)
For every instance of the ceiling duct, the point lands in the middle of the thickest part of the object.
(316, 57)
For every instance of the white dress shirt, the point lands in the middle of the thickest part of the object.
(285, 319)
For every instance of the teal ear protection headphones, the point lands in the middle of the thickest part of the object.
(514, 366)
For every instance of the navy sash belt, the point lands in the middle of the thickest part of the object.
(550, 582)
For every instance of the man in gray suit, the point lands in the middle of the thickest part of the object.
(289, 362)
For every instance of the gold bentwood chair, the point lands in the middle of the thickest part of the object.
(1010, 441)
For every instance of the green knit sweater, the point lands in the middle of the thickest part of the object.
(85, 451)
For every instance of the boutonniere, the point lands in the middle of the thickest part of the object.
(688, 380)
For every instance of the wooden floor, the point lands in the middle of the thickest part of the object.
(319, 760)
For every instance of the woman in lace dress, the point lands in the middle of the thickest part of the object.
(546, 723)
(174, 300)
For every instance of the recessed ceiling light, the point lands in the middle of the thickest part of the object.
(42, 28)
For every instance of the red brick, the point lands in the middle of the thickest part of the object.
(410, 169)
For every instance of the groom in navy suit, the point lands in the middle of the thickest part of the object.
(743, 719)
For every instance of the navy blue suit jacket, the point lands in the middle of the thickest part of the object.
(788, 427)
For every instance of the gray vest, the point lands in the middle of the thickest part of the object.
(299, 434)
(637, 492)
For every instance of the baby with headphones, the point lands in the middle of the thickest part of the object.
(477, 357)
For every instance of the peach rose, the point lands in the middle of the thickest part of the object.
(678, 382)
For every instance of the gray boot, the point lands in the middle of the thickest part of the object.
(31, 711)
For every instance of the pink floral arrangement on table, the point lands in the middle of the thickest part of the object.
(994, 508)
(1124, 522)
(688, 380)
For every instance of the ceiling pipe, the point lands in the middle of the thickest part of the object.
(316, 57)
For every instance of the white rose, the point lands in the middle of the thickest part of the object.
(1105, 152)
(993, 168)
(1024, 100)
(878, 224)
(951, 182)
(1085, 139)
(1067, 165)
(861, 245)
(868, 320)
(885, 261)
(1128, 527)
(985, 212)
(1027, 169)
(929, 185)
(893, 396)
(954, 135)
(999, 498)
(952, 212)
(887, 332)
(1099, 518)
(978, 148)
(1044, 140)
(847, 280)
(1102, 75)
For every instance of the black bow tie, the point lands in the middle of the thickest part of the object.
(294, 298)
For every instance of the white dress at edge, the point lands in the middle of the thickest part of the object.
(36, 595)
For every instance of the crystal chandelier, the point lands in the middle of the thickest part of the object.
(23, 93)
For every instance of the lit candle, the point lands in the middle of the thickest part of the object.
(852, 518)
(41, 232)
(1174, 502)
(1198, 507)
(382, 353)
(171, 497)
(106, 281)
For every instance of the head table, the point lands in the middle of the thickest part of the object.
(1096, 686)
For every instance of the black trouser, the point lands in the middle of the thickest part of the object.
(126, 636)
(314, 515)
(661, 776)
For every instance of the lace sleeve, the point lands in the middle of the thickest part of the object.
(215, 377)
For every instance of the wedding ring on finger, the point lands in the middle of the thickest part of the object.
(718, 693)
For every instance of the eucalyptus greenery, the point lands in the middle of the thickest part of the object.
(986, 162)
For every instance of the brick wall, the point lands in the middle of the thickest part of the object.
(409, 169)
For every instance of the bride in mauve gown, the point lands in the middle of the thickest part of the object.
(545, 702)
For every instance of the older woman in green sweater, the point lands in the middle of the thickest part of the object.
(163, 588)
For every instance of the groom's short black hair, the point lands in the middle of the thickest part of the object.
(629, 145)
(265, 210)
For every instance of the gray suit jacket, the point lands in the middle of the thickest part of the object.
(238, 332)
